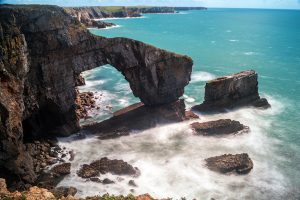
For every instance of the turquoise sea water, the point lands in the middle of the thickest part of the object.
(221, 42)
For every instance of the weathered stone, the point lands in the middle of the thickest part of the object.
(62, 169)
(42, 51)
(138, 117)
(88, 171)
(227, 92)
(239, 163)
(60, 192)
(219, 127)
(132, 183)
(107, 181)
(105, 165)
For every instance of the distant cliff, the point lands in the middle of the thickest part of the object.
(86, 15)
(42, 52)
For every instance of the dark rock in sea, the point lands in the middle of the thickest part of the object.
(62, 169)
(107, 181)
(139, 117)
(227, 92)
(95, 179)
(239, 163)
(105, 165)
(88, 171)
(42, 51)
(118, 167)
(132, 183)
(219, 127)
(190, 115)
(60, 192)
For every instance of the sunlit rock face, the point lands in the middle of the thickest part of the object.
(43, 51)
(240, 89)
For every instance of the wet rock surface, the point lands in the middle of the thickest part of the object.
(239, 163)
(62, 169)
(139, 117)
(105, 165)
(219, 127)
(236, 90)
(84, 102)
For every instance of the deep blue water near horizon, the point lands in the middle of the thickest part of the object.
(222, 42)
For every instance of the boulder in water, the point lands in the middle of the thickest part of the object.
(227, 92)
(218, 127)
(239, 163)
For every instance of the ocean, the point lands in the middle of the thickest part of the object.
(170, 157)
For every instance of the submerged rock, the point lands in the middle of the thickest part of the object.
(239, 163)
(107, 181)
(219, 127)
(227, 92)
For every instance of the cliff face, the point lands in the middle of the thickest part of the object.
(86, 15)
(42, 52)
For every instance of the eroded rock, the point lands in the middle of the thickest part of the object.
(239, 163)
(227, 92)
(60, 192)
(139, 117)
(38, 97)
(105, 165)
(218, 127)
(62, 169)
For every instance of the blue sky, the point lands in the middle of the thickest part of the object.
(284, 4)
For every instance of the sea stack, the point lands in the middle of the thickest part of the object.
(228, 92)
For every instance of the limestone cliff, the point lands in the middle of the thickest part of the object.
(42, 52)
(87, 15)
(228, 92)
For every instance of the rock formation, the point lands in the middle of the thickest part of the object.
(227, 92)
(105, 165)
(42, 50)
(218, 127)
(239, 163)
(89, 15)
(139, 117)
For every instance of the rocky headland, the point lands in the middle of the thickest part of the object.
(43, 51)
(89, 16)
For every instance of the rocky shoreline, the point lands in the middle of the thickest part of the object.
(40, 101)
(89, 16)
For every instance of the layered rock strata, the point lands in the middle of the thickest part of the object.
(238, 163)
(42, 50)
(219, 127)
(227, 92)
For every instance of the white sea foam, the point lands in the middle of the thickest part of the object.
(171, 160)
(108, 27)
(250, 53)
(202, 76)
(233, 40)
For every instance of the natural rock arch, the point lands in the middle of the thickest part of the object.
(53, 49)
